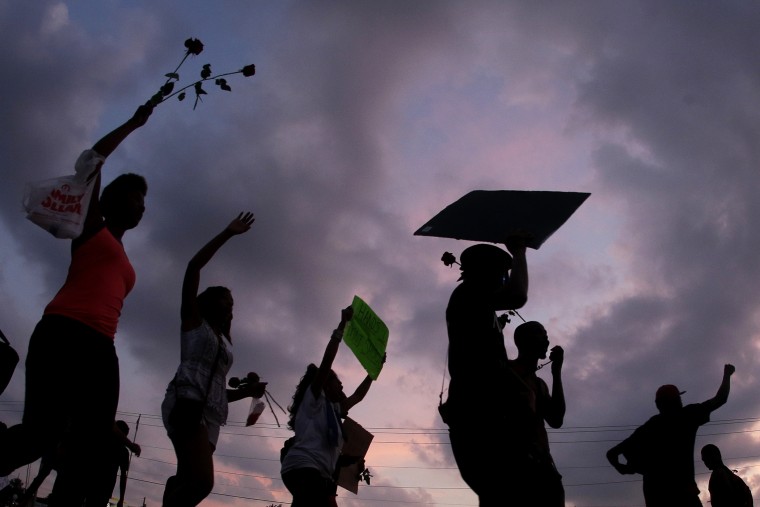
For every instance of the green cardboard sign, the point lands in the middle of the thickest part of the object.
(367, 336)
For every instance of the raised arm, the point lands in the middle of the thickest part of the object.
(104, 147)
(190, 313)
(721, 397)
(556, 415)
(514, 294)
(330, 352)
(109, 142)
(359, 394)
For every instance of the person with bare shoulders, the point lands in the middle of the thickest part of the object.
(532, 477)
(72, 370)
(662, 449)
(492, 280)
(195, 405)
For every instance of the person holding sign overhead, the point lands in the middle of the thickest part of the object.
(310, 457)
(492, 280)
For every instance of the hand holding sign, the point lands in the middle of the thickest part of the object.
(367, 337)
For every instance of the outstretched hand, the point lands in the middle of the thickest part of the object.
(729, 369)
(516, 241)
(346, 314)
(142, 114)
(135, 448)
(256, 389)
(557, 357)
(241, 224)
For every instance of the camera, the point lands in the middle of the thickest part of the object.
(239, 383)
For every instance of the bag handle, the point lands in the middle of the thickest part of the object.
(2, 336)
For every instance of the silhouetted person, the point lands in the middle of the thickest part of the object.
(309, 464)
(72, 371)
(532, 477)
(99, 489)
(662, 449)
(117, 463)
(47, 465)
(195, 404)
(492, 280)
(726, 488)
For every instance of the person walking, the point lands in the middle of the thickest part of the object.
(117, 465)
(195, 405)
(310, 460)
(492, 280)
(662, 449)
(73, 342)
(726, 488)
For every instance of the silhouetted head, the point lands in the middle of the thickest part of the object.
(485, 262)
(123, 427)
(122, 201)
(215, 304)
(334, 388)
(711, 456)
(303, 384)
(531, 339)
(668, 398)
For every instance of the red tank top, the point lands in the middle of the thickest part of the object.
(100, 277)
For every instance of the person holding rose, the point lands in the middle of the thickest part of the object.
(72, 370)
(195, 404)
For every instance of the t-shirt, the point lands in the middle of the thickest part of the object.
(311, 446)
(728, 489)
(477, 355)
(662, 449)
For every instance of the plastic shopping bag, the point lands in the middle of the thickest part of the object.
(59, 205)
(257, 407)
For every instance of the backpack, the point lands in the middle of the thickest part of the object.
(741, 493)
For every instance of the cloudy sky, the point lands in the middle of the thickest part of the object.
(364, 119)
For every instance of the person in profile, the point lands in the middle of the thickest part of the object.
(662, 449)
(726, 488)
(72, 370)
(532, 477)
(195, 405)
(310, 459)
(492, 280)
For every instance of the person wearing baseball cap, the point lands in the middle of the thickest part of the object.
(667, 397)
(662, 449)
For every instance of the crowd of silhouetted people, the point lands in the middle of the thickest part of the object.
(70, 425)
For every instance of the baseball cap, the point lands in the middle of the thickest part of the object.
(667, 392)
(485, 258)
